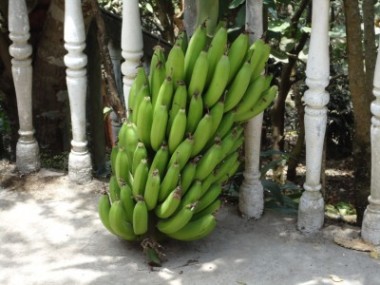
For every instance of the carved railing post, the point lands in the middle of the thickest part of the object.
(74, 34)
(27, 151)
(131, 44)
(251, 196)
(371, 220)
(311, 207)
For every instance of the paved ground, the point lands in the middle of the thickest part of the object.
(50, 234)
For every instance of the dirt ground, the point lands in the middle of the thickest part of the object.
(51, 234)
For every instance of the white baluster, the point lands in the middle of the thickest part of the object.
(27, 151)
(131, 44)
(311, 208)
(371, 220)
(74, 34)
(251, 196)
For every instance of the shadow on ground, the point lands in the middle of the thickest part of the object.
(51, 234)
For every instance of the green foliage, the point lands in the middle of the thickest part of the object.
(280, 195)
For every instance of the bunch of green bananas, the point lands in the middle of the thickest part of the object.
(181, 140)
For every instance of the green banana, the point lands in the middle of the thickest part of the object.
(160, 161)
(209, 197)
(230, 173)
(209, 210)
(159, 123)
(104, 207)
(177, 221)
(238, 143)
(144, 121)
(193, 194)
(187, 175)
(139, 178)
(140, 218)
(182, 41)
(261, 52)
(216, 113)
(179, 102)
(264, 101)
(196, 44)
(226, 124)
(144, 92)
(170, 204)
(199, 75)
(126, 198)
(122, 167)
(140, 80)
(114, 152)
(152, 189)
(119, 223)
(208, 161)
(251, 96)
(182, 153)
(170, 181)
(158, 57)
(131, 139)
(175, 64)
(139, 154)
(206, 183)
(225, 173)
(165, 94)
(158, 78)
(218, 82)
(238, 86)
(195, 112)
(237, 53)
(228, 143)
(202, 134)
(114, 189)
(216, 50)
(196, 229)
(177, 130)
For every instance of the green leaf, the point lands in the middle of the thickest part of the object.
(240, 17)
(278, 26)
(274, 189)
(271, 165)
(235, 3)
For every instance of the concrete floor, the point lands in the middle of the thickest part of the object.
(50, 234)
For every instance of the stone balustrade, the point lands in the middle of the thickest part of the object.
(311, 208)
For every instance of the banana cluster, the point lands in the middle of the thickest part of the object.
(182, 137)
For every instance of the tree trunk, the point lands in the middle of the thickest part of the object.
(361, 100)
(370, 50)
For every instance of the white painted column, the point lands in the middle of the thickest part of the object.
(251, 193)
(27, 151)
(131, 44)
(311, 207)
(371, 221)
(80, 168)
